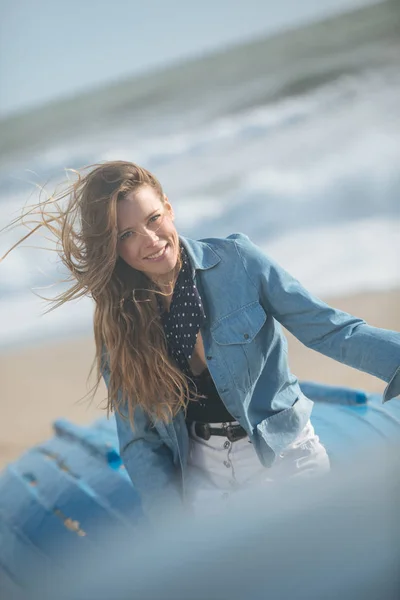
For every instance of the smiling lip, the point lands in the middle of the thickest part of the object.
(157, 255)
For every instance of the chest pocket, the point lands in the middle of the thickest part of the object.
(240, 326)
(239, 346)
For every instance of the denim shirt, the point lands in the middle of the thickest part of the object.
(247, 297)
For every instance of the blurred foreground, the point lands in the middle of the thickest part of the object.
(68, 505)
(338, 537)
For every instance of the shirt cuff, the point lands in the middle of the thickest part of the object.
(393, 387)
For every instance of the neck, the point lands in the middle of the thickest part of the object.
(166, 283)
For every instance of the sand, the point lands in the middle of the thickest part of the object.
(42, 383)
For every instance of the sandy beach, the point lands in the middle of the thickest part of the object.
(42, 383)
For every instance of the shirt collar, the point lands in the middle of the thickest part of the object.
(201, 255)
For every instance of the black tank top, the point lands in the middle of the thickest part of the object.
(209, 408)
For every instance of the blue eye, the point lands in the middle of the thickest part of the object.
(125, 235)
(128, 233)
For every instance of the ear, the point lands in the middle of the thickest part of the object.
(169, 207)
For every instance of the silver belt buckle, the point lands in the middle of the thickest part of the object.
(231, 435)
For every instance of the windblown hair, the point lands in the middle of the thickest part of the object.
(131, 349)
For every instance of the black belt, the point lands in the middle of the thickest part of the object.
(232, 432)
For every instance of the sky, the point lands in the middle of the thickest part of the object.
(50, 49)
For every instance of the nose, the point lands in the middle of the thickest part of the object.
(151, 235)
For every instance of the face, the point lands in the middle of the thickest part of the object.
(147, 237)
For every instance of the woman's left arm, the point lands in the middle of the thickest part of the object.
(332, 332)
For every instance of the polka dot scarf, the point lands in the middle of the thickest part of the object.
(185, 317)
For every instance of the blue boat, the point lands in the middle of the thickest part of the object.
(67, 490)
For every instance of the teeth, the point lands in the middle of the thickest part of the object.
(157, 254)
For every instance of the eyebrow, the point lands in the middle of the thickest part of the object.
(132, 228)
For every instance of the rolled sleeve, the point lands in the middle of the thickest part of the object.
(393, 388)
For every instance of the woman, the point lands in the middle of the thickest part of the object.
(189, 341)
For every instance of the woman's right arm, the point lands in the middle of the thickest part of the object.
(149, 463)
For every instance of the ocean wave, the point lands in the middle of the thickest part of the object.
(262, 122)
(324, 170)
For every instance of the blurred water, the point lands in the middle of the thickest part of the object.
(294, 140)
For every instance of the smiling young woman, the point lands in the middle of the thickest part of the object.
(189, 341)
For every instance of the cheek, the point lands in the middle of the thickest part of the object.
(128, 252)
(172, 232)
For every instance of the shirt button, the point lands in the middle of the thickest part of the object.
(226, 445)
(227, 463)
(246, 336)
(209, 357)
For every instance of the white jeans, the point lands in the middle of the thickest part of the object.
(217, 467)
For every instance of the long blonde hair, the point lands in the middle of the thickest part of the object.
(129, 337)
